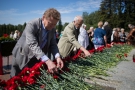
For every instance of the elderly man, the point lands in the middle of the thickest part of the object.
(69, 40)
(37, 43)
(108, 30)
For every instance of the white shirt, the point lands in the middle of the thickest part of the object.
(83, 38)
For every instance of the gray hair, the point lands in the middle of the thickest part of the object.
(91, 27)
(106, 23)
(122, 29)
(78, 18)
(83, 25)
(114, 29)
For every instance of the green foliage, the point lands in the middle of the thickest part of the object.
(65, 25)
(100, 62)
(80, 69)
(4, 39)
(92, 19)
(119, 13)
(11, 28)
(59, 26)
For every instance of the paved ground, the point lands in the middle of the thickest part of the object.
(122, 76)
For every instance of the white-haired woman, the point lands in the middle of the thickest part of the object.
(83, 37)
(123, 36)
(15, 37)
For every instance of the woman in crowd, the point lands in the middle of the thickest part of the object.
(131, 37)
(116, 37)
(90, 34)
(114, 29)
(83, 37)
(122, 36)
(15, 37)
(99, 38)
(11, 35)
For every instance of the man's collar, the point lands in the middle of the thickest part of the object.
(43, 25)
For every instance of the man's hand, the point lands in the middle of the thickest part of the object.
(87, 53)
(51, 66)
(60, 63)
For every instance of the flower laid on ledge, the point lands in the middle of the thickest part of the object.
(5, 38)
(72, 75)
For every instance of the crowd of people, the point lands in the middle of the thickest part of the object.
(103, 35)
(100, 36)
(40, 41)
(15, 35)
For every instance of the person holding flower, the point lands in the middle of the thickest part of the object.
(37, 43)
(68, 43)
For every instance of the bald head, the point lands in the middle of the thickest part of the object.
(78, 20)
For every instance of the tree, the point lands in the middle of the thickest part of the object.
(117, 12)
(85, 17)
(66, 23)
(92, 19)
(59, 26)
(23, 27)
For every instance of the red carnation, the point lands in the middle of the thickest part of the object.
(13, 87)
(35, 73)
(37, 66)
(25, 72)
(100, 49)
(2, 83)
(24, 79)
(66, 69)
(42, 86)
(31, 80)
(92, 50)
(125, 55)
(5, 35)
(55, 76)
(108, 45)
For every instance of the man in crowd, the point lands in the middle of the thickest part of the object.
(68, 43)
(37, 43)
(108, 30)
